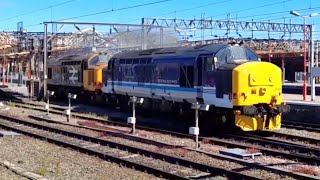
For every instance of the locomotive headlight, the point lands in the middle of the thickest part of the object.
(263, 91)
(270, 79)
(237, 112)
(254, 79)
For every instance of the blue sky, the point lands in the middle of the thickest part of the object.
(33, 12)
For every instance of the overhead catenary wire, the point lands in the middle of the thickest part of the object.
(274, 13)
(187, 9)
(102, 12)
(248, 9)
(113, 10)
(31, 12)
(129, 7)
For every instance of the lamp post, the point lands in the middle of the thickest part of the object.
(304, 49)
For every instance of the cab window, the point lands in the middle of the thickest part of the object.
(251, 55)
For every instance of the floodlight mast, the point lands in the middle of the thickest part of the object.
(304, 49)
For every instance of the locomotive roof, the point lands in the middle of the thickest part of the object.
(81, 57)
(191, 51)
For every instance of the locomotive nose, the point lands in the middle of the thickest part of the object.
(256, 83)
(257, 94)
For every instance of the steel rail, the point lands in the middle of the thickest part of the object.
(288, 124)
(302, 126)
(122, 134)
(170, 159)
(299, 157)
(292, 137)
(127, 163)
(301, 149)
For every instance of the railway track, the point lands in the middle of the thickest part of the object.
(156, 163)
(114, 132)
(302, 126)
(123, 134)
(272, 152)
(302, 152)
(311, 141)
(287, 124)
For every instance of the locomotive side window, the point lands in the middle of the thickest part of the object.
(122, 61)
(168, 73)
(135, 61)
(165, 70)
(162, 71)
(173, 73)
(140, 75)
(208, 66)
(143, 60)
(129, 61)
(187, 76)
(148, 72)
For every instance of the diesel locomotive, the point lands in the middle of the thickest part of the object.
(229, 78)
(77, 74)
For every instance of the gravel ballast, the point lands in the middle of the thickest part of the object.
(55, 162)
(172, 140)
(302, 133)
